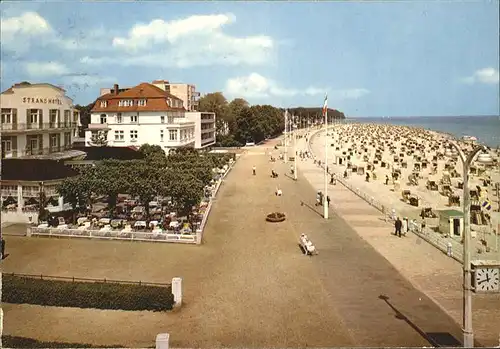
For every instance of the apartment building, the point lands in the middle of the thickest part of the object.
(139, 115)
(186, 92)
(204, 131)
(38, 121)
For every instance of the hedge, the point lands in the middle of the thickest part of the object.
(24, 342)
(98, 295)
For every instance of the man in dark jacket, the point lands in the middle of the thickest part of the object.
(398, 224)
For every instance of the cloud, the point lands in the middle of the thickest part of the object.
(193, 41)
(64, 74)
(258, 86)
(45, 69)
(88, 79)
(19, 32)
(483, 76)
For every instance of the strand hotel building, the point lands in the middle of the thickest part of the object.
(38, 125)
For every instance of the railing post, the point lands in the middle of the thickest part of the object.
(162, 341)
(177, 291)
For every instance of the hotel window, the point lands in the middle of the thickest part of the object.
(119, 135)
(161, 135)
(6, 144)
(133, 118)
(67, 117)
(103, 118)
(53, 117)
(125, 103)
(169, 102)
(141, 103)
(53, 141)
(33, 144)
(133, 135)
(119, 118)
(104, 104)
(162, 119)
(172, 135)
(171, 119)
(6, 116)
(33, 116)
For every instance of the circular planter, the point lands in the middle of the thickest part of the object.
(275, 217)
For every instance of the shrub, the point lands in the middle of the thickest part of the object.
(98, 295)
(23, 342)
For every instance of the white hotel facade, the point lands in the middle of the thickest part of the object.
(147, 114)
(38, 121)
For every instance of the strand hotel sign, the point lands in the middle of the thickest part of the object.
(42, 100)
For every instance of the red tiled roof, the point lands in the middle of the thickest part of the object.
(155, 96)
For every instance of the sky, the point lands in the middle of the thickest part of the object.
(387, 58)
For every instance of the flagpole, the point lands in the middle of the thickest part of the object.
(325, 202)
(294, 152)
(286, 136)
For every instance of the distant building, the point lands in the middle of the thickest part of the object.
(38, 121)
(144, 114)
(186, 92)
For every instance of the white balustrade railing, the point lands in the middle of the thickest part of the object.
(113, 235)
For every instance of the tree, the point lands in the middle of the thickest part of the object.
(76, 191)
(85, 112)
(186, 191)
(110, 179)
(153, 153)
(144, 180)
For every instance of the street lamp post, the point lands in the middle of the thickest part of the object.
(286, 136)
(467, 276)
(294, 151)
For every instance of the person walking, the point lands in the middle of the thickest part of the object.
(404, 226)
(398, 225)
(254, 170)
(328, 200)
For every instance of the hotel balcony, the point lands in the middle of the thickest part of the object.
(46, 126)
(36, 153)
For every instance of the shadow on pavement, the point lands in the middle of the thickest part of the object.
(302, 203)
(436, 339)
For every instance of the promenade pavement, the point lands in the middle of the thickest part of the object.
(428, 269)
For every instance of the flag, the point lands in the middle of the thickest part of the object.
(486, 205)
(325, 105)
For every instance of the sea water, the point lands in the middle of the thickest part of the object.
(485, 128)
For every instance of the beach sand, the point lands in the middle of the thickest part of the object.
(382, 149)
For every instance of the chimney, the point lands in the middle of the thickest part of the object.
(115, 88)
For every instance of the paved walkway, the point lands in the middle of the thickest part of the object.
(427, 268)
